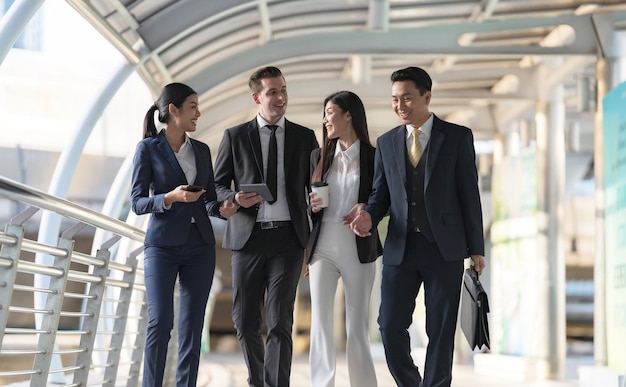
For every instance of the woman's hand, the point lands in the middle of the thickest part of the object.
(228, 209)
(180, 194)
(316, 202)
(349, 217)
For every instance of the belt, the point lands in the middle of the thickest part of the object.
(272, 224)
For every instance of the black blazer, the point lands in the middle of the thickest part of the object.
(239, 160)
(368, 248)
(451, 192)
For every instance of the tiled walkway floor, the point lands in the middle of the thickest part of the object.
(229, 370)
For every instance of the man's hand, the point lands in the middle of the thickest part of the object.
(247, 199)
(228, 209)
(362, 223)
(479, 263)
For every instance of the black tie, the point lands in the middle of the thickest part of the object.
(272, 162)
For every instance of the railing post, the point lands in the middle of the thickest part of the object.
(92, 309)
(138, 347)
(9, 257)
(121, 323)
(11, 253)
(53, 305)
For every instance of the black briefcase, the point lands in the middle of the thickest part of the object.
(474, 310)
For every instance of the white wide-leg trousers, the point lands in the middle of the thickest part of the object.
(336, 256)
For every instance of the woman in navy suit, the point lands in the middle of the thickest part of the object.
(346, 163)
(173, 182)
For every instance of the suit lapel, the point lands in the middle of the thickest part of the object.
(255, 144)
(366, 174)
(289, 148)
(201, 164)
(168, 154)
(434, 146)
(399, 152)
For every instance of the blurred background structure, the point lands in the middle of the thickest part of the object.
(540, 83)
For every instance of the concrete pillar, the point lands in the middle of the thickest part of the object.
(550, 125)
(555, 185)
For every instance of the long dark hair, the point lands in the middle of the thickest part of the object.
(173, 93)
(347, 101)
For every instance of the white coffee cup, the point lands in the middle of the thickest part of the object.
(321, 190)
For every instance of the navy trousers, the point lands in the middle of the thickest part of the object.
(422, 263)
(194, 265)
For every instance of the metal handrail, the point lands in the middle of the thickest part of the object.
(102, 272)
(14, 190)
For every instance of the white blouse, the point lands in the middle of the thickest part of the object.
(343, 182)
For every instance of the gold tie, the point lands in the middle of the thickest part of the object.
(416, 148)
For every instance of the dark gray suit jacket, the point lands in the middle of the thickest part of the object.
(450, 192)
(239, 160)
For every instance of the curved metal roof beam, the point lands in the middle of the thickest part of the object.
(440, 40)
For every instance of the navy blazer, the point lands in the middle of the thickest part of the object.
(240, 160)
(368, 248)
(155, 172)
(451, 192)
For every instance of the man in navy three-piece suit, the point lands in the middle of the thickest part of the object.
(425, 178)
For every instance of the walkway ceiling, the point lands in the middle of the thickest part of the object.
(490, 60)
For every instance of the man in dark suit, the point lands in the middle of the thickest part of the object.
(425, 178)
(267, 237)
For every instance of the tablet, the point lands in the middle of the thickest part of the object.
(260, 188)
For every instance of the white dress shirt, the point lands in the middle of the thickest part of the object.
(426, 129)
(187, 161)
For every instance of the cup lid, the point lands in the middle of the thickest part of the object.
(319, 184)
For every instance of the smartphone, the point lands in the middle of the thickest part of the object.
(194, 188)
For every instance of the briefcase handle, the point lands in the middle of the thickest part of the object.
(477, 274)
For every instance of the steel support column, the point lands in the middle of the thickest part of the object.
(51, 223)
(13, 23)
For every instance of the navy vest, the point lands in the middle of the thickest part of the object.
(417, 218)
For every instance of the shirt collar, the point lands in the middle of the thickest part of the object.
(186, 144)
(426, 127)
(352, 152)
(262, 123)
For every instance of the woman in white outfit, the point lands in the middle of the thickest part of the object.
(346, 163)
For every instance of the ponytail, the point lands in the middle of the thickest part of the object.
(173, 93)
(149, 128)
